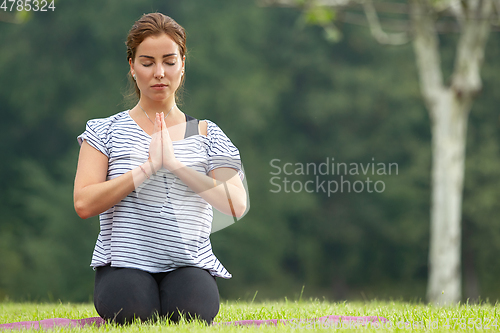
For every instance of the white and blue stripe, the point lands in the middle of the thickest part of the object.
(162, 224)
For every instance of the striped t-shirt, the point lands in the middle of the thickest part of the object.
(162, 224)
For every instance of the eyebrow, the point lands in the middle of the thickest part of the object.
(164, 56)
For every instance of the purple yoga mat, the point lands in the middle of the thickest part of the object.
(53, 322)
(326, 321)
(321, 322)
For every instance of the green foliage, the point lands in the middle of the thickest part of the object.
(324, 17)
(319, 15)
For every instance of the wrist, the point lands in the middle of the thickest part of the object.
(143, 169)
(150, 165)
(173, 165)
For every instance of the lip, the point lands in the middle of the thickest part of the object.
(159, 86)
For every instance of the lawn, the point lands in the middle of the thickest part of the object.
(402, 316)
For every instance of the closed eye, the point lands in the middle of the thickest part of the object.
(168, 63)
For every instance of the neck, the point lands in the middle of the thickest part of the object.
(153, 107)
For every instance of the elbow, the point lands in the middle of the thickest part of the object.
(82, 210)
(240, 209)
(239, 214)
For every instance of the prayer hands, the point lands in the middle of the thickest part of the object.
(161, 150)
(168, 159)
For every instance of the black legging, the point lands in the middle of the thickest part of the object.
(122, 294)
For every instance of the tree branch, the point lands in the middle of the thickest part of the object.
(466, 79)
(426, 45)
(376, 29)
(360, 19)
(457, 10)
(496, 4)
(298, 3)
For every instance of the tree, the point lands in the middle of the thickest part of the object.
(448, 105)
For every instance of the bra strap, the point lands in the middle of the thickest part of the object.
(191, 126)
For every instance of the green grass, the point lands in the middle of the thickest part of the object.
(398, 313)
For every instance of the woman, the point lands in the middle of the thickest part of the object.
(153, 174)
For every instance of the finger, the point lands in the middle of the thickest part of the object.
(163, 124)
(157, 125)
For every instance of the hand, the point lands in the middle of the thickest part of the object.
(169, 161)
(155, 147)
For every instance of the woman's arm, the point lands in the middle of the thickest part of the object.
(93, 194)
(224, 190)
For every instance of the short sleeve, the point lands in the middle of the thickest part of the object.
(222, 153)
(95, 135)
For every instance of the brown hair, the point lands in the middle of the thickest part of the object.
(154, 24)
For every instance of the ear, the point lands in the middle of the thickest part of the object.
(184, 62)
(131, 67)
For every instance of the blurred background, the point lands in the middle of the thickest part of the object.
(280, 90)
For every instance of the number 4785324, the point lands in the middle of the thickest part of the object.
(27, 5)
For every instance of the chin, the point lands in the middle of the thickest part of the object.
(159, 97)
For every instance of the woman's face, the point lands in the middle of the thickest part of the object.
(158, 67)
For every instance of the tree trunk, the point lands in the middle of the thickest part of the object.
(449, 127)
(448, 108)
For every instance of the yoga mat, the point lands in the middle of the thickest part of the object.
(52, 323)
(325, 321)
(321, 322)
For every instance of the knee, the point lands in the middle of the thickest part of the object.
(191, 293)
(125, 295)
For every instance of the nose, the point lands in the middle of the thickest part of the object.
(159, 71)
